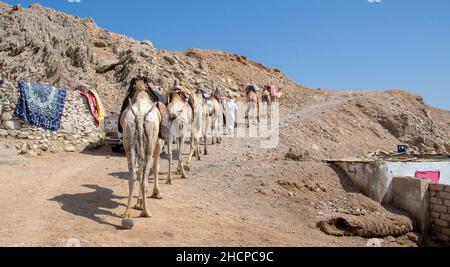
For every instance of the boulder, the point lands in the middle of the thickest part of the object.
(147, 43)
(12, 133)
(33, 153)
(70, 149)
(145, 54)
(3, 133)
(170, 60)
(204, 66)
(100, 44)
(7, 116)
(106, 65)
(297, 154)
(11, 125)
(7, 108)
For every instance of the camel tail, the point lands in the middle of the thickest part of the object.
(140, 136)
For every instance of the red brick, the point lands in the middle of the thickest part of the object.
(437, 187)
(444, 195)
(439, 208)
(435, 200)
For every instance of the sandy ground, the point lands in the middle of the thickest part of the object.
(224, 203)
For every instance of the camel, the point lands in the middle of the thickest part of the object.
(252, 105)
(200, 127)
(140, 123)
(270, 96)
(267, 98)
(181, 118)
(216, 114)
(218, 96)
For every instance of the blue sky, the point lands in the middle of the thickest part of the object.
(331, 44)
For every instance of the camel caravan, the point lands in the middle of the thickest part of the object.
(149, 122)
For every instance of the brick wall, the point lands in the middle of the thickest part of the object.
(440, 211)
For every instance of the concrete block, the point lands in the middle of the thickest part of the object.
(435, 228)
(440, 222)
(435, 215)
(437, 187)
(447, 203)
(412, 195)
(445, 195)
(445, 217)
(439, 208)
(435, 200)
(442, 237)
(445, 231)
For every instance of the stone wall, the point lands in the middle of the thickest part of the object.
(78, 129)
(440, 211)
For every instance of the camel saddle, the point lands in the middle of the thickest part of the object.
(251, 88)
(164, 127)
(185, 93)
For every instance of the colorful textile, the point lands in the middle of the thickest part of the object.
(99, 105)
(95, 105)
(273, 91)
(433, 176)
(41, 105)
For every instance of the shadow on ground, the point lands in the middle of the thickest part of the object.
(91, 205)
(103, 151)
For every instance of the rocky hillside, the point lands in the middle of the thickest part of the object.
(44, 45)
(332, 124)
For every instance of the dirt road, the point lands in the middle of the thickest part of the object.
(231, 199)
(239, 195)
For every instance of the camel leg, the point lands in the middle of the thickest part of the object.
(138, 205)
(131, 180)
(156, 193)
(180, 151)
(192, 150)
(213, 136)
(180, 162)
(169, 178)
(248, 116)
(197, 146)
(143, 174)
(206, 145)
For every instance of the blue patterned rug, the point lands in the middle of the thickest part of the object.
(41, 105)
